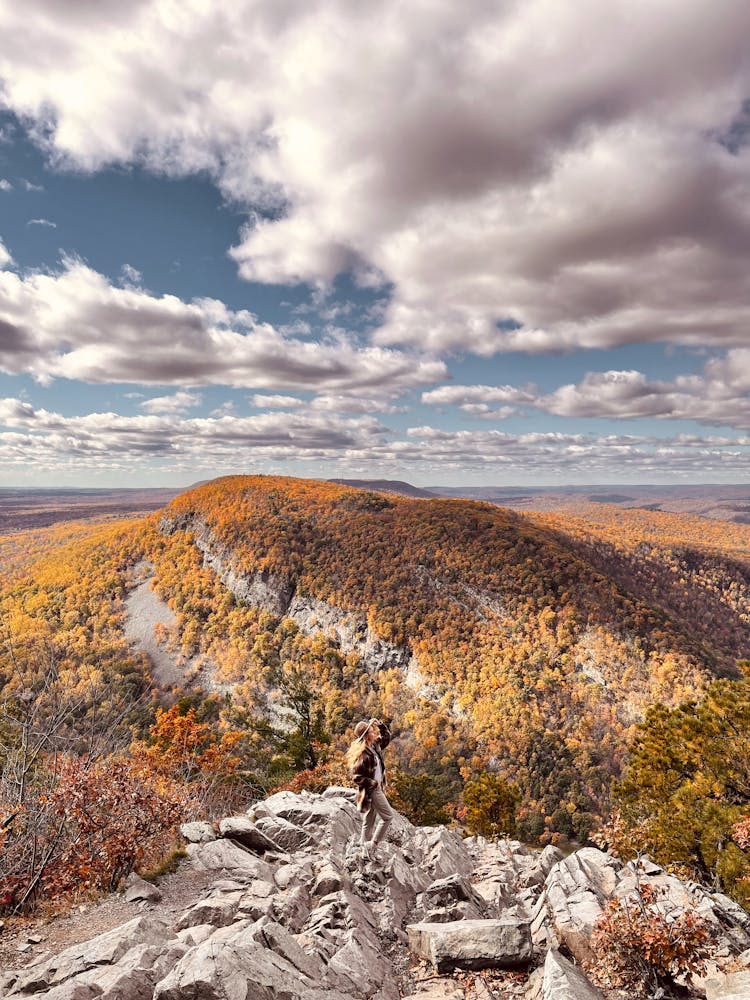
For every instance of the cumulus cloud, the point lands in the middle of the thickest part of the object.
(718, 396)
(5, 185)
(525, 176)
(42, 222)
(179, 402)
(30, 186)
(75, 324)
(102, 438)
(5, 257)
(110, 441)
(275, 401)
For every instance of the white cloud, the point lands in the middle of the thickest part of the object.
(30, 186)
(42, 222)
(463, 395)
(179, 402)
(131, 275)
(718, 396)
(275, 401)
(110, 441)
(346, 403)
(582, 179)
(5, 185)
(75, 324)
(5, 257)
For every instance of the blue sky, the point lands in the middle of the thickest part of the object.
(254, 243)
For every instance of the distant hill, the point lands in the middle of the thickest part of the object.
(527, 644)
(385, 486)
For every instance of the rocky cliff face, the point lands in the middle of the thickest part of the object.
(280, 597)
(288, 910)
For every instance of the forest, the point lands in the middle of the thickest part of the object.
(541, 665)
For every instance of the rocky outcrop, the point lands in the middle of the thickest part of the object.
(298, 915)
(278, 595)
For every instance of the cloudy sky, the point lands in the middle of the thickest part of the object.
(490, 242)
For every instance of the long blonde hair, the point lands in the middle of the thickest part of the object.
(359, 746)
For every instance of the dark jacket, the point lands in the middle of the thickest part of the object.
(364, 773)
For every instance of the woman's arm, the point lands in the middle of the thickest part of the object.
(385, 735)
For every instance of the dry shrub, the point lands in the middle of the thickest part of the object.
(641, 944)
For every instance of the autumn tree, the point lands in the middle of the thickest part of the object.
(490, 806)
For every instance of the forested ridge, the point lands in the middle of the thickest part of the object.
(533, 646)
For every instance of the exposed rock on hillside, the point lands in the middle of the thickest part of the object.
(278, 595)
(308, 919)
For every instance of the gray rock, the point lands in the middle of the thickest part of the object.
(227, 856)
(732, 986)
(195, 935)
(446, 893)
(575, 893)
(472, 944)
(106, 949)
(444, 852)
(288, 836)
(359, 965)
(564, 981)
(197, 832)
(279, 940)
(341, 792)
(138, 889)
(216, 911)
(296, 873)
(245, 832)
(329, 880)
(233, 968)
(292, 908)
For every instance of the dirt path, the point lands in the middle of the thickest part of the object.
(56, 933)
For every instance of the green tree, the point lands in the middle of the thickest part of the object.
(687, 784)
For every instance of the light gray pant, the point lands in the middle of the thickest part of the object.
(379, 808)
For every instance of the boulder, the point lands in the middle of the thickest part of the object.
(292, 908)
(329, 880)
(225, 855)
(288, 836)
(456, 896)
(359, 965)
(218, 911)
(232, 968)
(245, 832)
(197, 832)
(575, 893)
(472, 944)
(106, 949)
(278, 939)
(443, 852)
(138, 889)
(561, 980)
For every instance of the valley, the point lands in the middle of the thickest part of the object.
(222, 647)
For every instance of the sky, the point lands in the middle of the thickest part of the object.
(491, 243)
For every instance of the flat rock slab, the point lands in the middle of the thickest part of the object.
(472, 944)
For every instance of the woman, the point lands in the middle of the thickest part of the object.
(365, 759)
